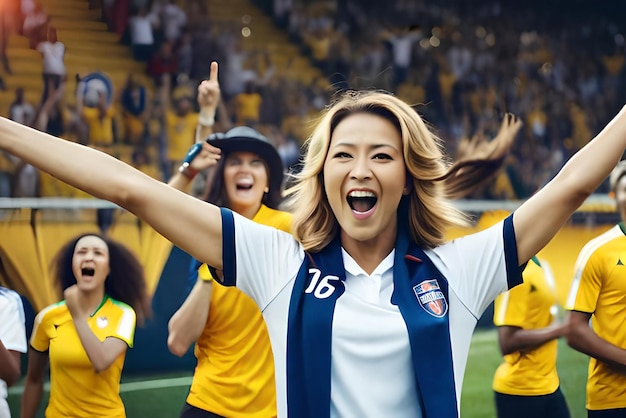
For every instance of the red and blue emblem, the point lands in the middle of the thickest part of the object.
(431, 298)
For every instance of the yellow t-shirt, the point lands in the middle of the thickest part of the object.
(527, 306)
(76, 389)
(100, 128)
(599, 288)
(181, 134)
(247, 107)
(235, 372)
(134, 126)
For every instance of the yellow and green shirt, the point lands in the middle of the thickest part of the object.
(235, 371)
(528, 306)
(599, 288)
(76, 389)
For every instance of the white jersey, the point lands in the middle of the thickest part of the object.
(12, 334)
(371, 369)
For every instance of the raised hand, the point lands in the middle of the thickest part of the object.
(209, 90)
(72, 300)
(200, 156)
(203, 156)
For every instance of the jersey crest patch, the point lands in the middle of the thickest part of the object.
(102, 321)
(431, 298)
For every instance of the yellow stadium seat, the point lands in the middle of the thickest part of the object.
(125, 229)
(155, 250)
(19, 255)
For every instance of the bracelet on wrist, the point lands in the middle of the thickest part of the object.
(206, 120)
(186, 170)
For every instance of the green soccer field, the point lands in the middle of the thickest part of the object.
(161, 396)
(484, 358)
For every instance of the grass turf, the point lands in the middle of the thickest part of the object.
(477, 397)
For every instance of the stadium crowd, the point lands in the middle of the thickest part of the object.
(461, 65)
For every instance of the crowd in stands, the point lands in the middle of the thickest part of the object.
(561, 71)
(462, 64)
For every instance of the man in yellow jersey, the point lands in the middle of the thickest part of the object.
(99, 120)
(598, 293)
(180, 121)
(247, 105)
(234, 375)
(526, 384)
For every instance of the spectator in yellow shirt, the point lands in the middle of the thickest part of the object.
(99, 120)
(247, 105)
(85, 336)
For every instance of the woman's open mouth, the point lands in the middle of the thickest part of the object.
(361, 201)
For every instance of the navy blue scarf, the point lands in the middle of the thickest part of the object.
(421, 294)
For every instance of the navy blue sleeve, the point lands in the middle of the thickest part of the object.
(229, 260)
(513, 269)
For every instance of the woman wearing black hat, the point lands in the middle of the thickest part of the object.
(235, 370)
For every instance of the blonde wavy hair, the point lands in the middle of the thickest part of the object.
(430, 212)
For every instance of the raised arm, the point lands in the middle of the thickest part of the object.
(209, 97)
(186, 325)
(40, 121)
(540, 217)
(189, 223)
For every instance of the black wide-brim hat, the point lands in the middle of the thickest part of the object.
(244, 138)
